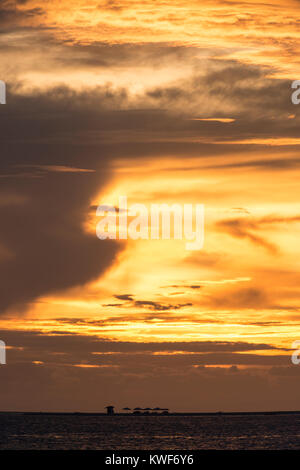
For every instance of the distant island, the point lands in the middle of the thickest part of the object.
(139, 411)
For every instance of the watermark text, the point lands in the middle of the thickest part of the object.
(160, 222)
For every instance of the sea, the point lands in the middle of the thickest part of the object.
(97, 432)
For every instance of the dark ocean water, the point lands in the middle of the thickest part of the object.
(148, 433)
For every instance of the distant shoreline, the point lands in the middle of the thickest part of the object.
(213, 413)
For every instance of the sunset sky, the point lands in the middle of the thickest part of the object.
(181, 101)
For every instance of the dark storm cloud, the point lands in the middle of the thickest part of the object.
(42, 135)
(45, 163)
(43, 158)
(58, 128)
(48, 249)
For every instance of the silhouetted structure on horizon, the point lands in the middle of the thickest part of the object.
(110, 410)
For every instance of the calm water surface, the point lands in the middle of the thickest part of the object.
(145, 432)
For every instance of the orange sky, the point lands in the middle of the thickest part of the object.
(164, 102)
